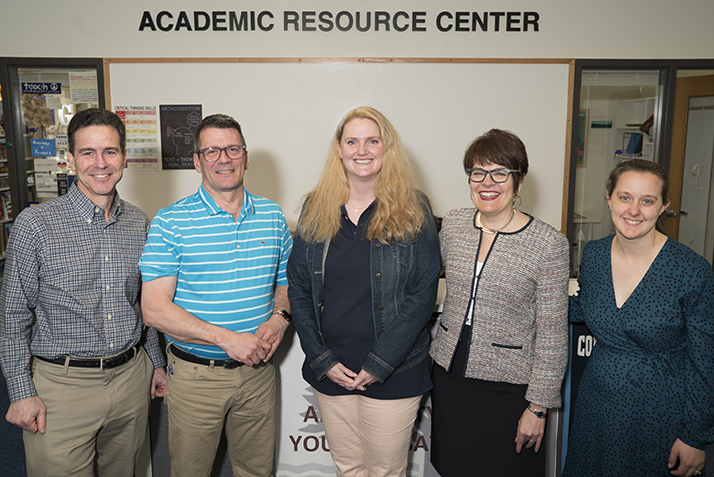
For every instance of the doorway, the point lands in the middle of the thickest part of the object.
(619, 118)
(691, 215)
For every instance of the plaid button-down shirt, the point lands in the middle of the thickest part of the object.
(71, 286)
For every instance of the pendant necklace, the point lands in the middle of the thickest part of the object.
(493, 231)
(357, 209)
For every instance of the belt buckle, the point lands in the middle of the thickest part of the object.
(101, 364)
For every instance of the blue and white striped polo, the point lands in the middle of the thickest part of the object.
(226, 269)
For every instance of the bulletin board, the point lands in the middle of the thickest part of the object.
(289, 109)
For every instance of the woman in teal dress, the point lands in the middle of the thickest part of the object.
(645, 405)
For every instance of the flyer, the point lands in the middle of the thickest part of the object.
(178, 128)
(83, 87)
(142, 141)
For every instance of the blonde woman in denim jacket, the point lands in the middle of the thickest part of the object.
(363, 277)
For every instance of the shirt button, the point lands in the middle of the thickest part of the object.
(106, 259)
(109, 316)
(380, 308)
(238, 245)
(379, 275)
(111, 345)
(107, 287)
(378, 245)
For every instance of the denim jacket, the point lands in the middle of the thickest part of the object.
(404, 284)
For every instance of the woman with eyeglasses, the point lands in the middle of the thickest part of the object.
(501, 345)
(363, 277)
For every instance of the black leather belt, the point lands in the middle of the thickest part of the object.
(101, 363)
(228, 364)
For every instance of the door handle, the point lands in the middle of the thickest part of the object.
(669, 212)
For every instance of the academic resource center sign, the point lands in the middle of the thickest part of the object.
(340, 21)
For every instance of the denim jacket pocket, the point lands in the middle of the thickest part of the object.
(404, 253)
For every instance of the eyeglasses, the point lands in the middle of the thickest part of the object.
(212, 154)
(499, 176)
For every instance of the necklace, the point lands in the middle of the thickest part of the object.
(493, 231)
(357, 209)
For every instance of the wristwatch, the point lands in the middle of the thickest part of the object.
(538, 414)
(286, 314)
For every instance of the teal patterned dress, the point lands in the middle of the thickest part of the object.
(650, 378)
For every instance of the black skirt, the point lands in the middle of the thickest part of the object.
(474, 425)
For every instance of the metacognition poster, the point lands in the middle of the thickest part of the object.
(178, 129)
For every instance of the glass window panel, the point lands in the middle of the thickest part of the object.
(50, 96)
(619, 115)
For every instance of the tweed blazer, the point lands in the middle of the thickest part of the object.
(520, 321)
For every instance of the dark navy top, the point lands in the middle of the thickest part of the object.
(347, 322)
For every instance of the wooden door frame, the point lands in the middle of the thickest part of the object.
(687, 87)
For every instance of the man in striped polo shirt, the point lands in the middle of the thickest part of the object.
(215, 284)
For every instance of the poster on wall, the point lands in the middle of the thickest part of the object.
(43, 147)
(83, 87)
(41, 89)
(178, 128)
(62, 145)
(46, 182)
(142, 141)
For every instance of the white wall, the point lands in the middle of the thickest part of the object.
(289, 113)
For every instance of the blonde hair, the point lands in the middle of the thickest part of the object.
(399, 213)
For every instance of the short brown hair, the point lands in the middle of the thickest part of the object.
(95, 117)
(499, 147)
(217, 121)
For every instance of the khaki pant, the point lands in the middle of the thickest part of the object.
(96, 419)
(201, 399)
(368, 437)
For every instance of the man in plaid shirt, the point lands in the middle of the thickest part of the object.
(80, 365)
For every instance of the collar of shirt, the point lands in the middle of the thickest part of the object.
(88, 210)
(370, 208)
(214, 209)
(358, 231)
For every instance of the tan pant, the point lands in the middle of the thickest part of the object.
(368, 437)
(201, 398)
(96, 419)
